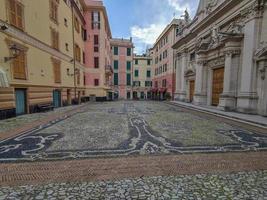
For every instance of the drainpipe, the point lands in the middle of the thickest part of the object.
(74, 60)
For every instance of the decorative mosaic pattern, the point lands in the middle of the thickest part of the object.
(128, 128)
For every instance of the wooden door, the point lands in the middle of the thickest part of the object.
(217, 85)
(192, 90)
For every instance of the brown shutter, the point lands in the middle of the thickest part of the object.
(19, 67)
(19, 15)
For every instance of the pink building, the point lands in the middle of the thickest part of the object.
(163, 62)
(98, 76)
(122, 58)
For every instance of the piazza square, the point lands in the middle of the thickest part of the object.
(152, 100)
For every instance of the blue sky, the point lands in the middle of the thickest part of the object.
(144, 20)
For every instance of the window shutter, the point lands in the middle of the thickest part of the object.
(19, 15)
(12, 12)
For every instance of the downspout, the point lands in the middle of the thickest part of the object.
(74, 59)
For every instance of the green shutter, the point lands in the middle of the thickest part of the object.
(129, 52)
(116, 51)
(129, 79)
(128, 65)
(148, 62)
(116, 64)
(136, 73)
(116, 79)
(136, 62)
(148, 74)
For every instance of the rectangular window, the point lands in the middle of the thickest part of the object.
(148, 62)
(96, 49)
(129, 65)
(19, 66)
(116, 51)
(164, 83)
(76, 24)
(116, 79)
(54, 39)
(136, 73)
(57, 71)
(54, 10)
(84, 34)
(96, 82)
(16, 13)
(78, 77)
(77, 53)
(95, 20)
(148, 74)
(129, 51)
(96, 62)
(96, 42)
(83, 57)
(128, 79)
(116, 64)
(136, 61)
(148, 83)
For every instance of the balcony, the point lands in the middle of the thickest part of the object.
(108, 70)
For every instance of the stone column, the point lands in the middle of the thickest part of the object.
(230, 84)
(247, 98)
(262, 71)
(200, 97)
(182, 92)
(181, 64)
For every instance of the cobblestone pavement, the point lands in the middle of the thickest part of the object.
(12, 123)
(128, 128)
(235, 186)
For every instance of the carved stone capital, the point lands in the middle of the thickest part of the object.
(230, 53)
(256, 9)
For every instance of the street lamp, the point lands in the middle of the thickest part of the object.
(15, 51)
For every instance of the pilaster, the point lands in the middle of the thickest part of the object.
(200, 97)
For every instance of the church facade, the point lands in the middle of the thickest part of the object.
(221, 56)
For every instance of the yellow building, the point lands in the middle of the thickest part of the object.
(41, 54)
(142, 77)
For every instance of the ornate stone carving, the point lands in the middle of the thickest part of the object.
(210, 5)
(216, 62)
(254, 10)
(262, 50)
(232, 52)
(234, 29)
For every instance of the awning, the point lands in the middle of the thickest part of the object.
(3, 79)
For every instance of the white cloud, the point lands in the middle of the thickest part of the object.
(148, 34)
(157, 19)
(179, 6)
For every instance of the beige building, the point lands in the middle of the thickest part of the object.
(41, 54)
(221, 56)
(142, 77)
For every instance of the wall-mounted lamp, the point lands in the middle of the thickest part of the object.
(15, 51)
(3, 27)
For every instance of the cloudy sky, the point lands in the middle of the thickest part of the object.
(144, 20)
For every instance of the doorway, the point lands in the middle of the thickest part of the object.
(192, 90)
(217, 85)
(20, 101)
(57, 98)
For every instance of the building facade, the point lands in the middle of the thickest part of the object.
(163, 62)
(122, 62)
(41, 52)
(221, 56)
(142, 77)
(99, 74)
